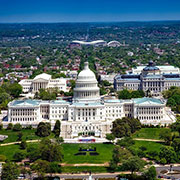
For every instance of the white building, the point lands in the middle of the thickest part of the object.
(88, 113)
(164, 69)
(43, 81)
(154, 79)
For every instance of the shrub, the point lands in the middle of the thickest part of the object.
(20, 135)
(10, 126)
(19, 156)
(23, 144)
(2, 158)
(1, 126)
(163, 161)
(17, 127)
(54, 167)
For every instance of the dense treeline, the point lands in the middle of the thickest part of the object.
(173, 98)
(128, 94)
(8, 92)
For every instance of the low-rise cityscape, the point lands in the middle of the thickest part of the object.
(90, 90)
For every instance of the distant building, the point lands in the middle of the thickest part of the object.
(43, 81)
(94, 43)
(150, 78)
(113, 44)
(109, 78)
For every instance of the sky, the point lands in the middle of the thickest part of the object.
(17, 11)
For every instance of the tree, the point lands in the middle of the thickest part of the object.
(50, 151)
(124, 94)
(125, 127)
(120, 154)
(23, 144)
(54, 167)
(150, 173)
(33, 153)
(17, 127)
(168, 154)
(168, 136)
(43, 129)
(133, 164)
(41, 167)
(20, 135)
(19, 156)
(10, 171)
(59, 140)
(15, 90)
(105, 83)
(126, 142)
(110, 137)
(1, 126)
(176, 144)
(57, 128)
(10, 126)
(171, 102)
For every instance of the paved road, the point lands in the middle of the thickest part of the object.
(86, 176)
(167, 167)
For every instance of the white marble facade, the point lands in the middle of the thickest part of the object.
(88, 113)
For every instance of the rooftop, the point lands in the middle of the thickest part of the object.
(148, 101)
(26, 102)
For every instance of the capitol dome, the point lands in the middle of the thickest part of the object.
(86, 89)
(86, 74)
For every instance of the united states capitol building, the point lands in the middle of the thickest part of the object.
(154, 79)
(88, 113)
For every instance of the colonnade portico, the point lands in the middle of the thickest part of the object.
(39, 85)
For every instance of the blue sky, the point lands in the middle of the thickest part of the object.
(88, 10)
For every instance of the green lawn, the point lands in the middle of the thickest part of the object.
(10, 150)
(148, 133)
(104, 150)
(151, 146)
(28, 134)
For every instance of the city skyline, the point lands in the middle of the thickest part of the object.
(18, 11)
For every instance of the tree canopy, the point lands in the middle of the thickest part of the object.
(125, 126)
(10, 171)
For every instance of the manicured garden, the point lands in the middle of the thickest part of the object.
(70, 151)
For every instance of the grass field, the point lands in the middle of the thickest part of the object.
(28, 134)
(151, 146)
(10, 150)
(148, 133)
(104, 150)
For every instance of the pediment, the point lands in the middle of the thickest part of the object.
(40, 80)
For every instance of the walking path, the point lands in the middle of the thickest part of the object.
(18, 142)
(151, 140)
(85, 164)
